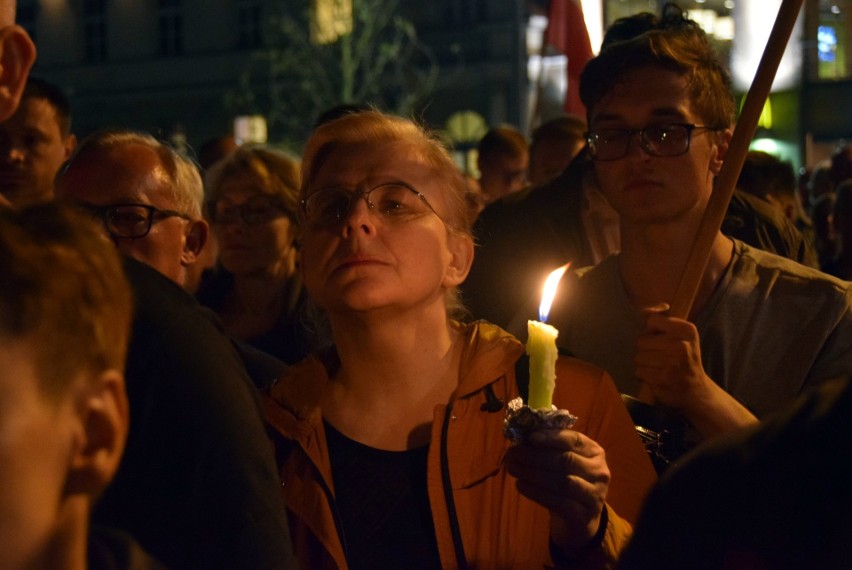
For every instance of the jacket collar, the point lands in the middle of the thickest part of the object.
(488, 352)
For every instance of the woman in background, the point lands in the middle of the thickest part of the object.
(257, 291)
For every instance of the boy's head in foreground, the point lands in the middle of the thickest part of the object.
(65, 313)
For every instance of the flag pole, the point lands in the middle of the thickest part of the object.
(726, 181)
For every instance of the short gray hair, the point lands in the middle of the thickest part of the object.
(186, 188)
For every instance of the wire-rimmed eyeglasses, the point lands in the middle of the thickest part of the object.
(656, 140)
(393, 202)
(129, 221)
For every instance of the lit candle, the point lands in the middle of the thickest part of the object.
(541, 346)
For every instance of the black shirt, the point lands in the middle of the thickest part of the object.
(383, 504)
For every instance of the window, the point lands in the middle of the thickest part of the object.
(466, 12)
(95, 30)
(171, 27)
(834, 40)
(249, 24)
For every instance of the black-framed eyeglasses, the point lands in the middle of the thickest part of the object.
(393, 202)
(129, 221)
(254, 211)
(656, 140)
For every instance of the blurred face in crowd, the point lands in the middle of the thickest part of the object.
(65, 317)
(254, 233)
(503, 175)
(32, 148)
(398, 254)
(132, 174)
(549, 158)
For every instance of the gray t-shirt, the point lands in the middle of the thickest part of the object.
(771, 328)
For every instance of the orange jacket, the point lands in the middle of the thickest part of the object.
(476, 507)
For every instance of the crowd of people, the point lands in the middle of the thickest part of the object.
(256, 359)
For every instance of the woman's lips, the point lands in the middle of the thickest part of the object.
(641, 184)
(357, 260)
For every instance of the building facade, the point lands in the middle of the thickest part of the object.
(172, 66)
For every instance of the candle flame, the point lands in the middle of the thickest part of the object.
(549, 292)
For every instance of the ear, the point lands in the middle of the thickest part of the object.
(723, 142)
(461, 258)
(196, 237)
(17, 54)
(69, 144)
(104, 421)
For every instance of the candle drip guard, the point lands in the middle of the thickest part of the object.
(521, 420)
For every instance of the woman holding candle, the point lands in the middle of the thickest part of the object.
(390, 441)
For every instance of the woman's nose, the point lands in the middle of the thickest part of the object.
(360, 214)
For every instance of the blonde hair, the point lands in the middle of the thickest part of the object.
(277, 173)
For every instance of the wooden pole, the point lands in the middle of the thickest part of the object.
(730, 171)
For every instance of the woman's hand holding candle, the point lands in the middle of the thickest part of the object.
(566, 472)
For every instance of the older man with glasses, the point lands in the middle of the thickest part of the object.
(762, 328)
(198, 486)
(148, 197)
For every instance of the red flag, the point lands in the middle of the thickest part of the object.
(566, 31)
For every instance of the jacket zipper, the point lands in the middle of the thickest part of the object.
(448, 491)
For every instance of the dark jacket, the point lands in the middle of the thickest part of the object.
(197, 485)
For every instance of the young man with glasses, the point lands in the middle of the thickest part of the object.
(762, 328)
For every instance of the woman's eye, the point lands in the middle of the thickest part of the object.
(391, 206)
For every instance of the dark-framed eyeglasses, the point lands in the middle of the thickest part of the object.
(129, 221)
(393, 202)
(258, 210)
(656, 140)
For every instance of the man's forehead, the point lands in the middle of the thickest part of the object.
(654, 92)
(120, 174)
(362, 160)
(35, 108)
